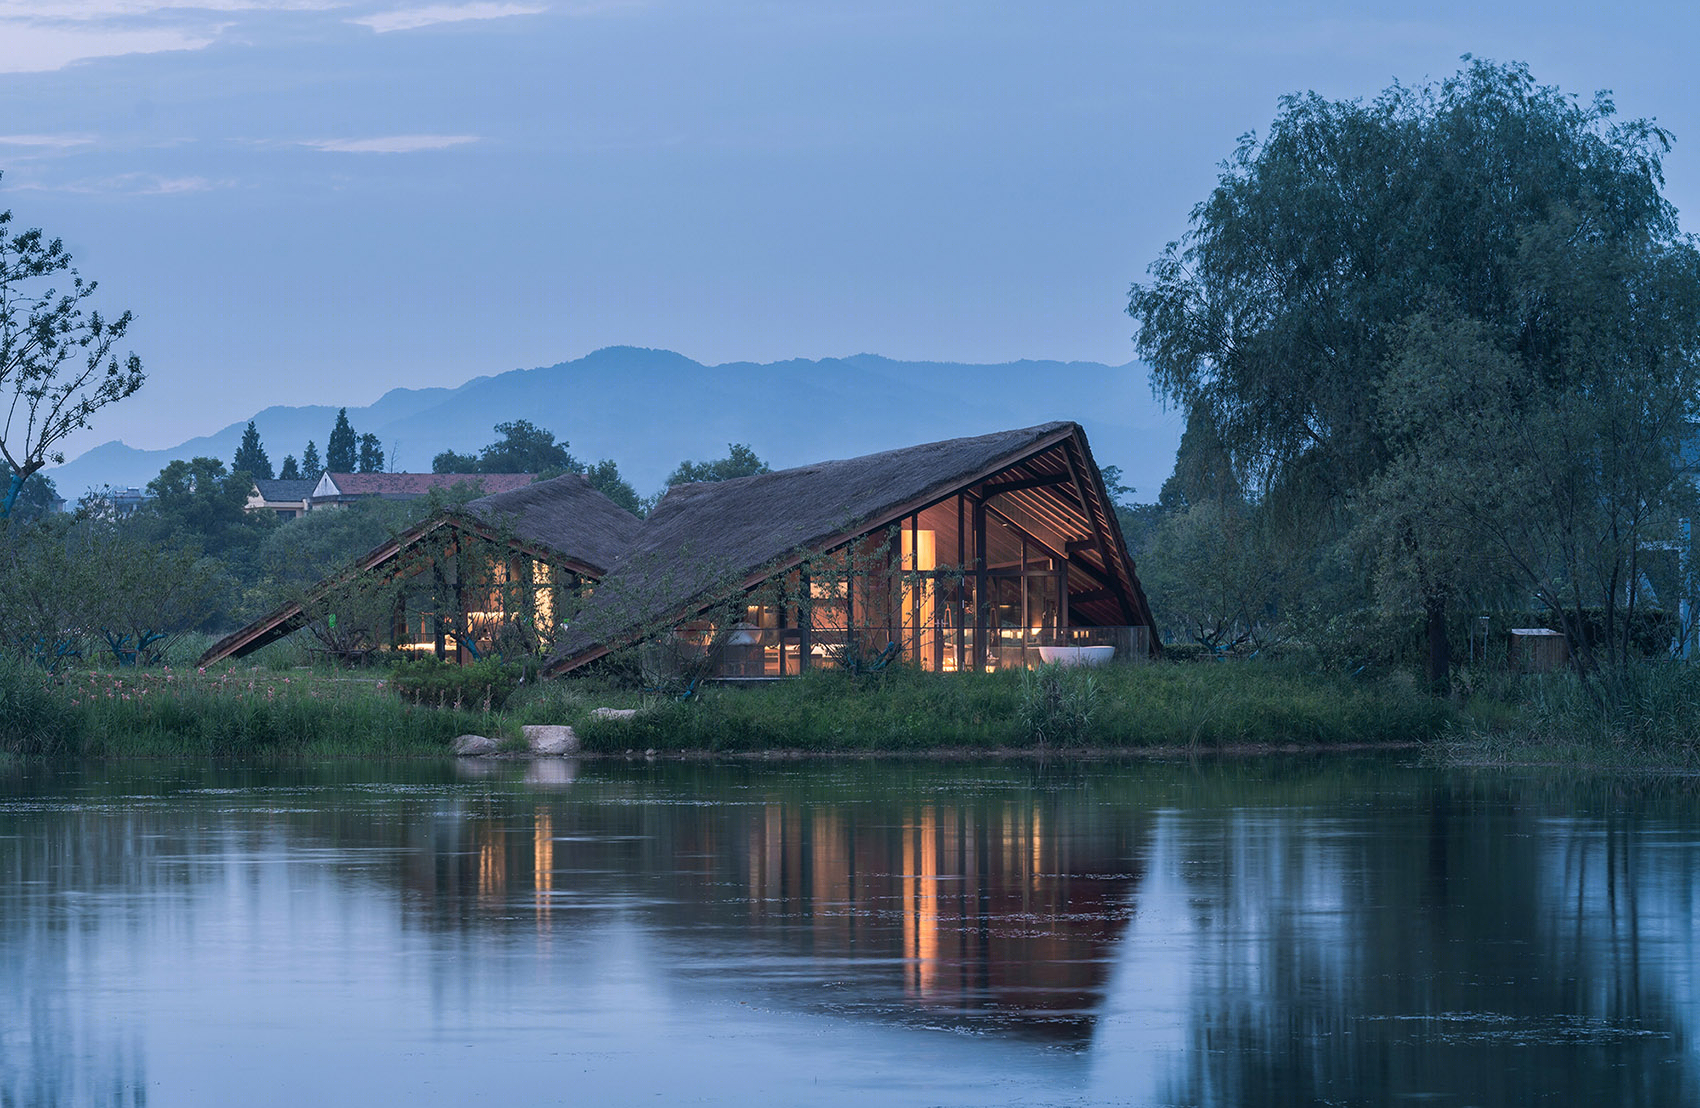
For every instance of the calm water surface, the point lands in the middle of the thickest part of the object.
(1248, 933)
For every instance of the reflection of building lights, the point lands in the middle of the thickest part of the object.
(492, 866)
(921, 903)
(1037, 840)
(543, 863)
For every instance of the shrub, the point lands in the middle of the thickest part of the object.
(1057, 703)
(486, 684)
(32, 719)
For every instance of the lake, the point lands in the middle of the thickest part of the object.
(1248, 932)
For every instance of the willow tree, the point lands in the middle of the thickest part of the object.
(56, 353)
(1292, 300)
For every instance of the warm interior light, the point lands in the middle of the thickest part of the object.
(543, 577)
(920, 555)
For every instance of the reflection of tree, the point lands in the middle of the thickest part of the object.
(1350, 935)
(1471, 946)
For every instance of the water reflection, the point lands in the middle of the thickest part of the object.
(1269, 933)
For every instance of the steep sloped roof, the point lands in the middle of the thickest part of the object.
(703, 540)
(565, 514)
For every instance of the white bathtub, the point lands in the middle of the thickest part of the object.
(1077, 655)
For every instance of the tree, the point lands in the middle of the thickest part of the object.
(605, 478)
(56, 354)
(198, 502)
(251, 456)
(525, 448)
(342, 448)
(289, 471)
(1279, 318)
(371, 454)
(450, 462)
(311, 467)
(38, 496)
(740, 461)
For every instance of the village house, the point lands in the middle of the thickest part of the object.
(284, 498)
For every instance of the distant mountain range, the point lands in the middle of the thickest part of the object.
(651, 409)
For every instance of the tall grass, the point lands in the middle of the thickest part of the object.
(1646, 715)
(1169, 706)
(34, 720)
(248, 712)
(256, 711)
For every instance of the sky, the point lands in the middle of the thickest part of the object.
(315, 201)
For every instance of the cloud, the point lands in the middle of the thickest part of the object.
(391, 144)
(52, 142)
(408, 19)
(31, 47)
(38, 36)
(139, 184)
(104, 11)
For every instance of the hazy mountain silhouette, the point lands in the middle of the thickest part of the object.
(651, 409)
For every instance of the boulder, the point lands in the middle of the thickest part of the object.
(551, 739)
(474, 746)
(613, 713)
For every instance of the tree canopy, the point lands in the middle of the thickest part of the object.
(251, 455)
(521, 447)
(1357, 279)
(56, 353)
(311, 466)
(342, 450)
(740, 461)
(371, 454)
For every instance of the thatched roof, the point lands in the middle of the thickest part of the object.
(409, 486)
(704, 542)
(565, 515)
(564, 518)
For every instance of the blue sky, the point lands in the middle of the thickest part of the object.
(313, 201)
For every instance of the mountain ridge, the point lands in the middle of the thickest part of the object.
(651, 408)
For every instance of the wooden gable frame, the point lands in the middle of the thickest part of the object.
(291, 617)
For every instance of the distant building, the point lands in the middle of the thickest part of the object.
(336, 489)
(287, 499)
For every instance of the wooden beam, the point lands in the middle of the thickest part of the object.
(999, 487)
(1075, 470)
(1079, 546)
(1091, 595)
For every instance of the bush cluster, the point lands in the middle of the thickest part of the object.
(1057, 704)
(484, 685)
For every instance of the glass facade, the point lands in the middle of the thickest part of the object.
(957, 586)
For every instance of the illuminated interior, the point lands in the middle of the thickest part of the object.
(460, 606)
(983, 579)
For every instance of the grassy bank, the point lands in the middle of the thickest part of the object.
(260, 711)
(234, 713)
(1195, 707)
(1645, 718)
(1649, 718)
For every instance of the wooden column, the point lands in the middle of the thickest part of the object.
(979, 585)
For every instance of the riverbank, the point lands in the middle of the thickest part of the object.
(239, 712)
(1161, 709)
